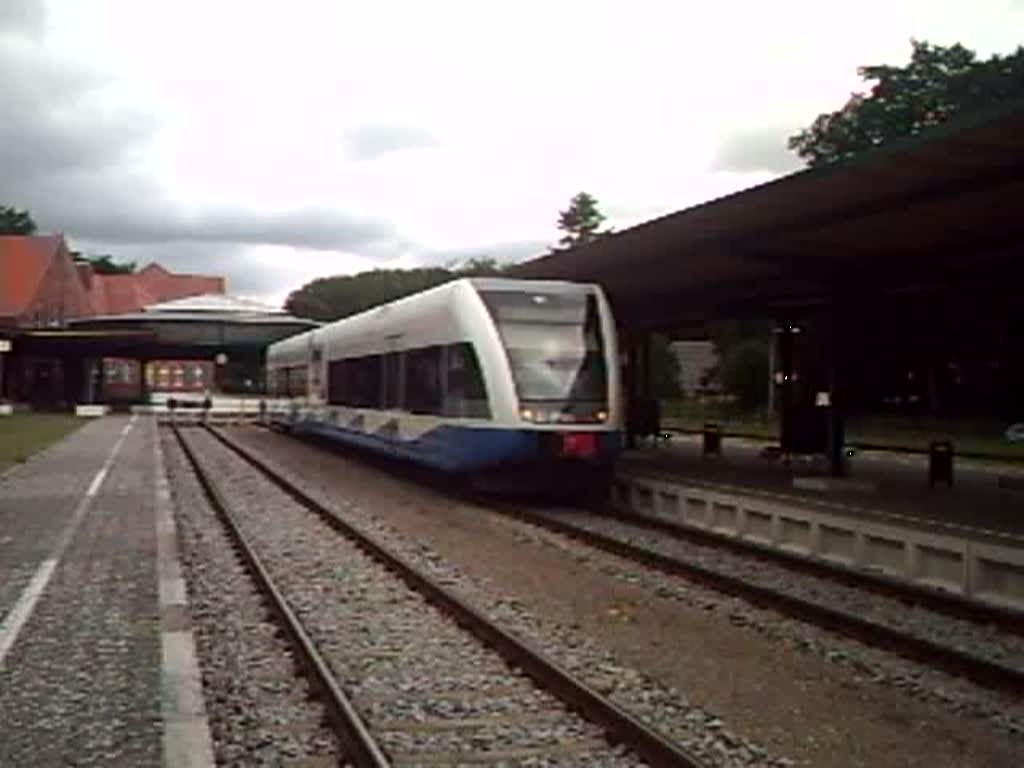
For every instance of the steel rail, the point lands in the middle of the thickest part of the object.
(984, 672)
(947, 603)
(342, 715)
(620, 725)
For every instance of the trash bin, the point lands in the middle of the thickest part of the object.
(712, 440)
(940, 463)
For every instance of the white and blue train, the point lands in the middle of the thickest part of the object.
(477, 375)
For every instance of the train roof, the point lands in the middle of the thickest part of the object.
(298, 341)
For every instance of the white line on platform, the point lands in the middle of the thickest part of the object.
(19, 615)
(187, 741)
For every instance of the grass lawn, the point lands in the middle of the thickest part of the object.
(23, 434)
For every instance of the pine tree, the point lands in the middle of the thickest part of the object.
(581, 221)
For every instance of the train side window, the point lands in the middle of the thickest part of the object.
(338, 387)
(354, 382)
(296, 381)
(301, 381)
(392, 380)
(358, 396)
(368, 379)
(423, 393)
(465, 395)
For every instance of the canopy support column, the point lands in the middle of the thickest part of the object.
(840, 341)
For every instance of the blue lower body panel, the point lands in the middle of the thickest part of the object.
(463, 449)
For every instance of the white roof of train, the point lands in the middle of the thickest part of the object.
(299, 343)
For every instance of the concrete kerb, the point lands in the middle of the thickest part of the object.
(187, 740)
(985, 566)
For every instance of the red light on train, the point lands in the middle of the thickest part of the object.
(583, 444)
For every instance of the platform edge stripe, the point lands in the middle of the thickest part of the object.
(187, 742)
(19, 615)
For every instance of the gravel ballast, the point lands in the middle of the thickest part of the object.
(259, 710)
(969, 637)
(822, 699)
(427, 689)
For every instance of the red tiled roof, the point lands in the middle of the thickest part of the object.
(119, 295)
(167, 286)
(23, 262)
(85, 275)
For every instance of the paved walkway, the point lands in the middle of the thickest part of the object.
(83, 657)
(897, 483)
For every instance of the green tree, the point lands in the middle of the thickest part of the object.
(664, 368)
(742, 349)
(331, 298)
(16, 222)
(581, 221)
(105, 264)
(479, 266)
(743, 372)
(937, 84)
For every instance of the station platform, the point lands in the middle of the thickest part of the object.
(984, 497)
(91, 672)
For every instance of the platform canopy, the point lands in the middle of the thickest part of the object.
(937, 211)
(195, 326)
(216, 303)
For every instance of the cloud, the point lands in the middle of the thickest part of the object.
(371, 140)
(54, 116)
(25, 17)
(326, 139)
(146, 222)
(63, 145)
(79, 160)
(751, 150)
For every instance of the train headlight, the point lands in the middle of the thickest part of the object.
(537, 416)
(602, 416)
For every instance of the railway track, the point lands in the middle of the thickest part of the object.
(665, 550)
(878, 612)
(943, 602)
(409, 673)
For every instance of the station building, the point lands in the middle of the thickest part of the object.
(69, 335)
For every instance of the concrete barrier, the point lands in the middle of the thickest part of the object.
(189, 410)
(91, 411)
(982, 565)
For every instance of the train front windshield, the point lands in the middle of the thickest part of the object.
(556, 351)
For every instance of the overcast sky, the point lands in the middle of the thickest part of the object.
(274, 142)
